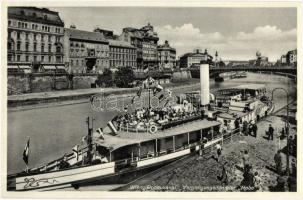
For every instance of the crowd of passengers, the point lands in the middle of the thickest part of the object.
(158, 115)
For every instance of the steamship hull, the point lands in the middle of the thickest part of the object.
(100, 174)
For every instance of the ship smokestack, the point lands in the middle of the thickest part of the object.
(204, 81)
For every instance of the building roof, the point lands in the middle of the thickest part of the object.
(133, 32)
(119, 43)
(33, 14)
(292, 51)
(127, 138)
(85, 35)
(166, 46)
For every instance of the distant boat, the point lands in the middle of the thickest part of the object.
(238, 75)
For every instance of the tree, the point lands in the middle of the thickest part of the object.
(106, 78)
(124, 77)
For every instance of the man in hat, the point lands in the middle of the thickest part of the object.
(270, 132)
(278, 161)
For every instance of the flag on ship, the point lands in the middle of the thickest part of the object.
(111, 126)
(161, 97)
(147, 83)
(76, 152)
(157, 89)
(101, 134)
(26, 152)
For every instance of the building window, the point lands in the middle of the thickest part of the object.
(42, 47)
(35, 47)
(18, 46)
(18, 35)
(77, 63)
(42, 58)
(58, 49)
(49, 38)
(49, 58)
(9, 22)
(26, 46)
(18, 57)
(72, 62)
(10, 46)
(26, 58)
(45, 16)
(49, 48)
(10, 57)
(33, 26)
(35, 37)
(26, 36)
(19, 24)
(35, 58)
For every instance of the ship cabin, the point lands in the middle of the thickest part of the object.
(131, 149)
(245, 91)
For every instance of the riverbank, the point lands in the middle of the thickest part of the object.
(67, 97)
(201, 174)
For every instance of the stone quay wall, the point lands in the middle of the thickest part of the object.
(181, 75)
(30, 83)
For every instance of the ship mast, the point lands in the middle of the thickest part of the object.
(89, 141)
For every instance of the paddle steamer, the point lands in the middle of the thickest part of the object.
(121, 152)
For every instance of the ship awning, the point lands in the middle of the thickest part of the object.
(49, 67)
(115, 142)
(124, 138)
(12, 67)
(60, 67)
(24, 67)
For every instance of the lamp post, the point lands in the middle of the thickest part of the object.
(287, 122)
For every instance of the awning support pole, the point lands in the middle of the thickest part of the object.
(174, 146)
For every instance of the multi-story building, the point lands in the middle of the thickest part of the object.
(35, 37)
(291, 57)
(145, 40)
(122, 54)
(85, 51)
(149, 46)
(283, 59)
(194, 58)
(134, 37)
(166, 55)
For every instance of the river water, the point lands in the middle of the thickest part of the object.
(54, 130)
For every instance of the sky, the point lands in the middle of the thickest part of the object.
(236, 33)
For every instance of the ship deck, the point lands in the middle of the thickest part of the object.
(124, 138)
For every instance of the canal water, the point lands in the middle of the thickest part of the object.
(56, 129)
